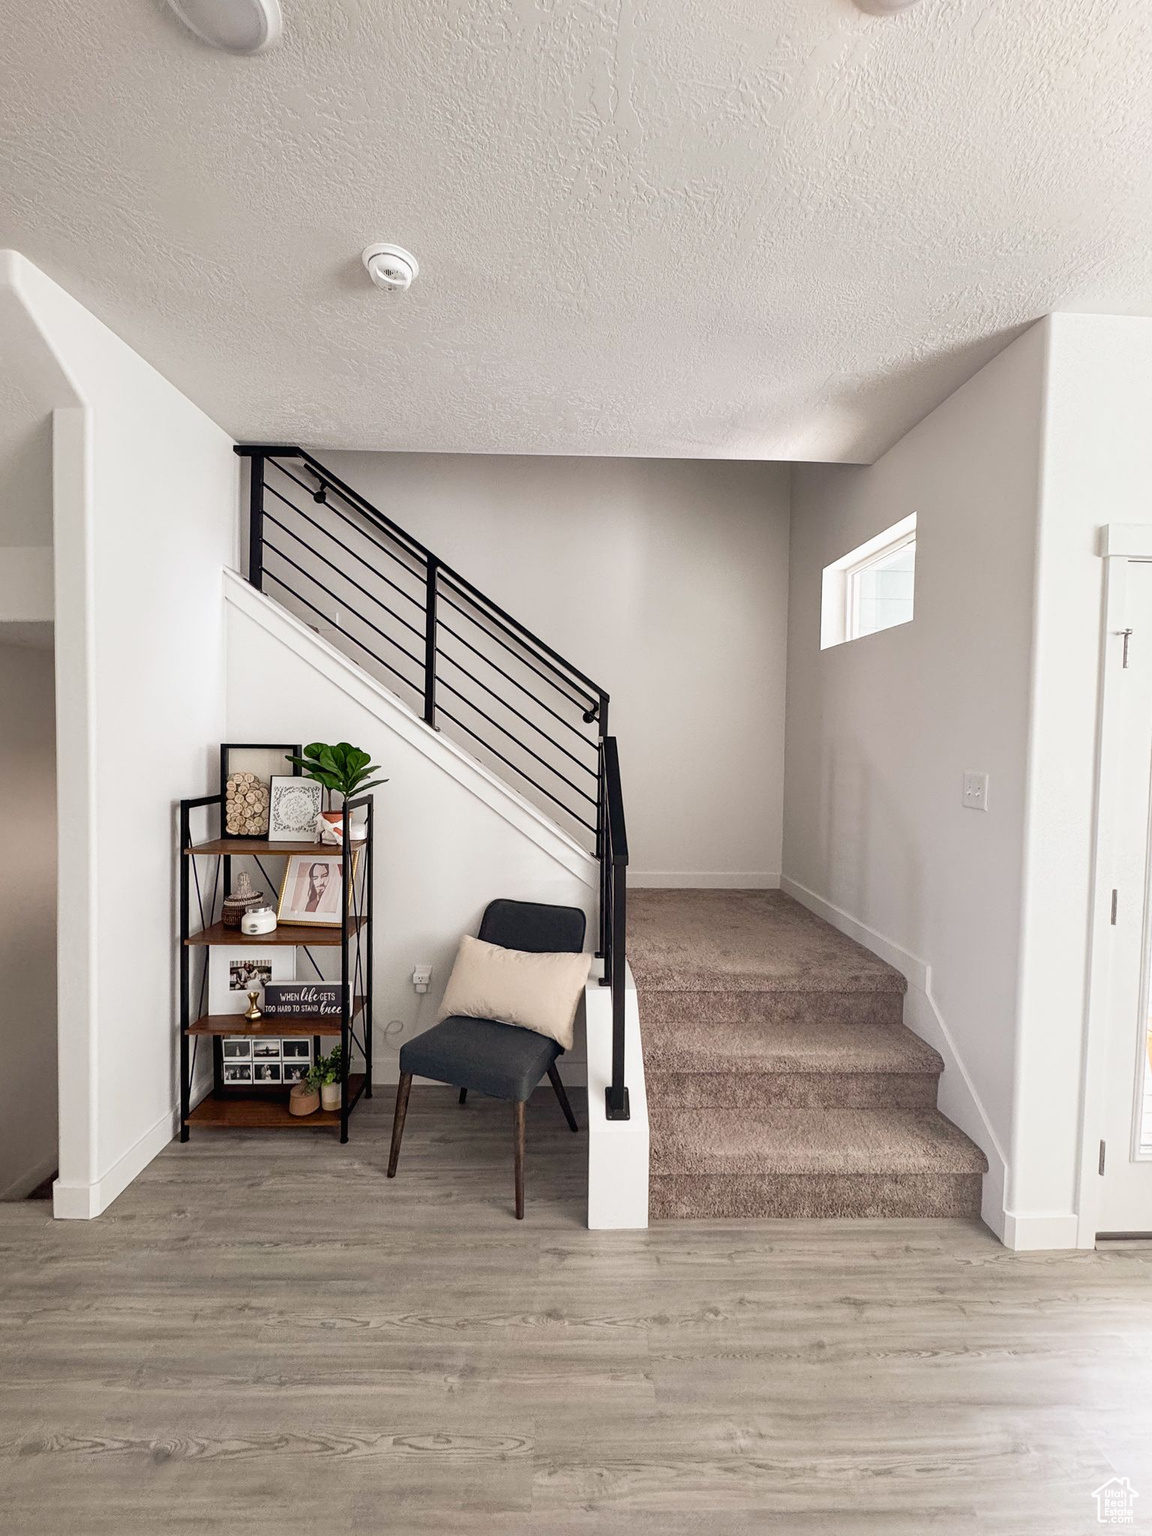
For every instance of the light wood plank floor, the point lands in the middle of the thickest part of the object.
(263, 1335)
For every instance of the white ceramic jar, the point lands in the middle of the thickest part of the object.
(259, 920)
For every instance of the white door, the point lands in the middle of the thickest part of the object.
(1126, 1185)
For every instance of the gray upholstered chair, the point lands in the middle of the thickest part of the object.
(502, 1061)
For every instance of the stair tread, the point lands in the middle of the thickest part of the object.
(737, 941)
(786, 1045)
(761, 1142)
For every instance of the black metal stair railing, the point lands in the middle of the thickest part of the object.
(457, 658)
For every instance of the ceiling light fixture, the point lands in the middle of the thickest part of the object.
(390, 267)
(885, 7)
(237, 26)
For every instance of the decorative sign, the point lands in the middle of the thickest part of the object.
(300, 999)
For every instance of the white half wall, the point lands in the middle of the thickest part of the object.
(882, 729)
(618, 1165)
(667, 582)
(450, 837)
(145, 518)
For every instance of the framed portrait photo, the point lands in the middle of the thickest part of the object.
(234, 972)
(293, 808)
(311, 889)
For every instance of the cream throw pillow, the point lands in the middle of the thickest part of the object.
(540, 992)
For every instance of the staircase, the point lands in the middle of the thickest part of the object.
(782, 1081)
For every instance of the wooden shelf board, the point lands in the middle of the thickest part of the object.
(245, 1109)
(274, 1029)
(240, 846)
(311, 935)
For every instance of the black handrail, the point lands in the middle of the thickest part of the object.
(434, 585)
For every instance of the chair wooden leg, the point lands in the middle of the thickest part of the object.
(518, 1133)
(463, 1095)
(402, 1091)
(554, 1079)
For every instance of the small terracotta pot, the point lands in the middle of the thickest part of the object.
(303, 1100)
(330, 1095)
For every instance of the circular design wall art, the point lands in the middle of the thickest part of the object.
(295, 806)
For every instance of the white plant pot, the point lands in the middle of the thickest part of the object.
(329, 1095)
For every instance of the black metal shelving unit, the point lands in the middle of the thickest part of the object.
(257, 1106)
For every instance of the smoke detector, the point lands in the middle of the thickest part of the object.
(237, 26)
(390, 267)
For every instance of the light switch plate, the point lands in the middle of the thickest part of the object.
(976, 791)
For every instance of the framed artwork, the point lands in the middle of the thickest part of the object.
(294, 804)
(234, 971)
(311, 889)
(246, 771)
(264, 1061)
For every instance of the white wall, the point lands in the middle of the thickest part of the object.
(666, 582)
(881, 730)
(145, 515)
(1097, 469)
(449, 838)
(27, 918)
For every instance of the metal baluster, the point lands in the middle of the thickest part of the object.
(256, 521)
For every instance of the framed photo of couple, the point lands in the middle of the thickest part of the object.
(311, 889)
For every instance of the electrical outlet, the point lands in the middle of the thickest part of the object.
(421, 976)
(976, 791)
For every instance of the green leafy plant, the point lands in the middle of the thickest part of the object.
(326, 1070)
(343, 769)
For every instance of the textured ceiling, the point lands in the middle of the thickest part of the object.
(735, 228)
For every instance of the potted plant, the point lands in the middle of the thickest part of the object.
(326, 1075)
(341, 769)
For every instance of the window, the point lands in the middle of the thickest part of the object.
(871, 587)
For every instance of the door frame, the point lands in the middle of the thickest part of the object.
(1120, 545)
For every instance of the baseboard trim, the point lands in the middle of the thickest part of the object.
(81, 1202)
(1034, 1231)
(958, 1098)
(20, 1188)
(704, 880)
(909, 965)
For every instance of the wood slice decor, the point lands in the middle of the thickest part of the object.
(245, 805)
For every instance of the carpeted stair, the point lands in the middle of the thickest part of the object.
(781, 1079)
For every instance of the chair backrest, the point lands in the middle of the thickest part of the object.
(533, 926)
